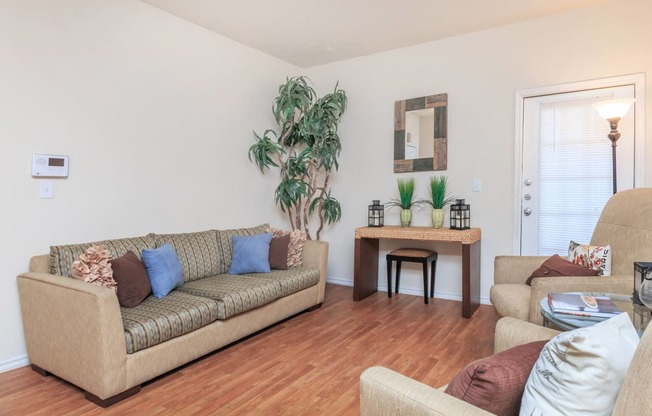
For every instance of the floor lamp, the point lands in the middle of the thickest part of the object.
(613, 111)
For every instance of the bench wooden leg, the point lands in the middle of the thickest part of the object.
(398, 275)
(433, 267)
(389, 278)
(425, 282)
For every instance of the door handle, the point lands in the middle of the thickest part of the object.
(527, 212)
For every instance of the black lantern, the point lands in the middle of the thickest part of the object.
(642, 272)
(460, 215)
(376, 214)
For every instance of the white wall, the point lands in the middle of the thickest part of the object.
(156, 115)
(480, 72)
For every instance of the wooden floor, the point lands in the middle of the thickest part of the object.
(307, 365)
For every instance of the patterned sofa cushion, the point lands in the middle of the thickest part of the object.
(157, 320)
(62, 257)
(234, 294)
(226, 244)
(198, 252)
(292, 280)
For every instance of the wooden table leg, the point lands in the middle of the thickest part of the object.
(470, 278)
(365, 269)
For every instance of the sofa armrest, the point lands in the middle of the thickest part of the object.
(384, 392)
(515, 269)
(74, 329)
(603, 284)
(315, 254)
(511, 332)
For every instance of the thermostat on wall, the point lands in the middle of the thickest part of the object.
(51, 166)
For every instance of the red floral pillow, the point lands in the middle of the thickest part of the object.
(593, 257)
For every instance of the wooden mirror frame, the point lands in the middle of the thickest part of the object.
(439, 104)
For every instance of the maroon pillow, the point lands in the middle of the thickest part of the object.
(496, 383)
(559, 266)
(133, 282)
(278, 252)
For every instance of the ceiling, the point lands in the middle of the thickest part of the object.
(313, 32)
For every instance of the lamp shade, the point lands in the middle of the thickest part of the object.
(614, 108)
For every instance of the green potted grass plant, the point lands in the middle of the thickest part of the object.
(405, 200)
(438, 199)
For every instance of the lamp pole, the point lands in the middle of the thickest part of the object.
(614, 135)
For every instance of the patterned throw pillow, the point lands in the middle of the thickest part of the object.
(593, 257)
(93, 266)
(295, 249)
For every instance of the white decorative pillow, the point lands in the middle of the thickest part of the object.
(593, 257)
(580, 372)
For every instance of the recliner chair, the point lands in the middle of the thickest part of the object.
(625, 224)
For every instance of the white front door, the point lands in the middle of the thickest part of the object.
(566, 176)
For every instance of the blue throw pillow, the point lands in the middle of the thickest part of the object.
(251, 254)
(164, 269)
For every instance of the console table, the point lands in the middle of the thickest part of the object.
(365, 274)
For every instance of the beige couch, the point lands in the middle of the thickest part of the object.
(384, 392)
(625, 224)
(75, 330)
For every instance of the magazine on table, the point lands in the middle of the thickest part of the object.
(583, 305)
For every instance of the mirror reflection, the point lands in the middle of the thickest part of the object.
(421, 134)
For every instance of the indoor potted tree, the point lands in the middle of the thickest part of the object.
(305, 151)
(438, 199)
(405, 200)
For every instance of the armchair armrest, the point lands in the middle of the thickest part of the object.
(515, 269)
(74, 329)
(384, 392)
(315, 254)
(511, 332)
(606, 284)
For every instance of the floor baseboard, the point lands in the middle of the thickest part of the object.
(13, 363)
(415, 292)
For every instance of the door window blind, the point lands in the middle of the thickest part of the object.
(574, 173)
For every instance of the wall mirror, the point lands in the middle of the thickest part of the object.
(420, 134)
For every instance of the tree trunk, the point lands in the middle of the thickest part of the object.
(321, 197)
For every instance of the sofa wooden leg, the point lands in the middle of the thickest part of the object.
(314, 308)
(111, 400)
(40, 371)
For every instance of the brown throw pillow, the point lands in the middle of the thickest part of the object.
(133, 282)
(295, 250)
(496, 383)
(278, 252)
(559, 266)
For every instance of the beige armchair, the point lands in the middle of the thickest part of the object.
(384, 392)
(625, 224)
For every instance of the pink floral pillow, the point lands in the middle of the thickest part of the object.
(295, 249)
(93, 267)
(593, 257)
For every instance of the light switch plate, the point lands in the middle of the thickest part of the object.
(46, 189)
(477, 185)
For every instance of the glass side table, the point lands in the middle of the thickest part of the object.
(639, 314)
